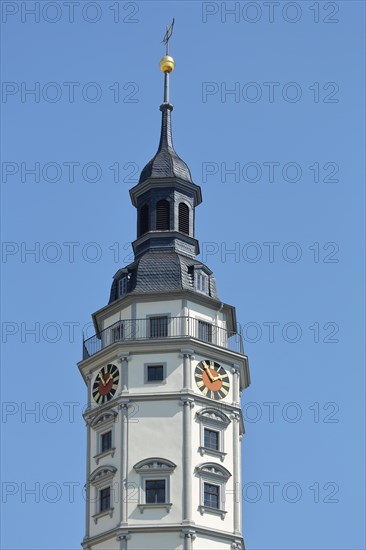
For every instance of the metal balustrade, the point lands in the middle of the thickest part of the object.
(162, 328)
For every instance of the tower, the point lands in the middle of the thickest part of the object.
(164, 373)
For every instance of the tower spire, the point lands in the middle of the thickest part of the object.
(167, 65)
(166, 162)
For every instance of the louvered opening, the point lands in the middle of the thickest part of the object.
(183, 218)
(144, 219)
(163, 215)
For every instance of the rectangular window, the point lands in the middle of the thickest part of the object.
(204, 331)
(118, 333)
(201, 281)
(211, 495)
(211, 439)
(155, 491)
(122, 286)
(105, 499)
(155, 373)
(158, 327)
(106, 441)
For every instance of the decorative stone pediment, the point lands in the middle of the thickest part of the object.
(213, 416)
(154, 465)
(103, 418)
(212, 470)
(102, 473)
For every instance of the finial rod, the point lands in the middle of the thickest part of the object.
(166, 87)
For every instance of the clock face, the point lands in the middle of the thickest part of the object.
(105, 384)
(212, 379)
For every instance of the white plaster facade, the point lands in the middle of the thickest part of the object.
(163, 421)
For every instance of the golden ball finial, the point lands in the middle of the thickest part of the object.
(167, 64)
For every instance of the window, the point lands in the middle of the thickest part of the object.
(204, 331)
(201, 281)
(213, 424)
(183, 222)
(103, 425)
(144, 219)
(163, 215)
(118, 332)
(122, 286)
(106, 441)
(155, 476)
(211, 439)
(213, 479)
(102, 482)
(104, 499)
(155, 491)
(158, 327)
(155, 373)
(211, 495)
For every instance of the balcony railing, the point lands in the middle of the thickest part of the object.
(162, 328)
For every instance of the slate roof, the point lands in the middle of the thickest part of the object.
(166, 163)
(161, 272)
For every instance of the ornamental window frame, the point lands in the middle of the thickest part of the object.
(102, 424)
(154, 469)
(102, 478)
(217, 475)
(212, 419)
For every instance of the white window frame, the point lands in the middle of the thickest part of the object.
(154, 469)
(122, 286)
(215, 474)
(212, 420)
(104, 423)
(100, 479)
(201, 281)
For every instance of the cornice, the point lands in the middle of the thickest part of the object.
(113, 352)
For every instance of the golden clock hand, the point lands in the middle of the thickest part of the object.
(208, 371)
(108, 379)
(218, 377)
(102, 379)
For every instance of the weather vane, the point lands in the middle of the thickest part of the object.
(168, 34)
(167, 63)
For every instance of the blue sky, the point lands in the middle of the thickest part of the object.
(274, 93)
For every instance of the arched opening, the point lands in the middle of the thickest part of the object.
(163, 215)
(183, 220)
(144, 219)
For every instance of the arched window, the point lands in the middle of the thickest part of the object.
(144, 219)
(183, 218)
(163, 215)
